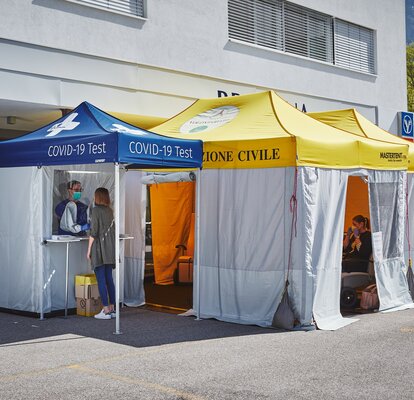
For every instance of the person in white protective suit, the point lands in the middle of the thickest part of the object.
(72, 214)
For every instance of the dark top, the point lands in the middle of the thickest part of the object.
(81, 216)
(365, 250)
(103, 231)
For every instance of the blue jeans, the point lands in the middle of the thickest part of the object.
(105, 283)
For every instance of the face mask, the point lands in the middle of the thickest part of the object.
(77, 195)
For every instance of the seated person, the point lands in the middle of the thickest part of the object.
(357, 246)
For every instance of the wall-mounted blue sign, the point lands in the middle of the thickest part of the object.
(407, 125)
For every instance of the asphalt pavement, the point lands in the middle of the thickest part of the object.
(164, 356)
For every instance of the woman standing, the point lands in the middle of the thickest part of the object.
(101, 250)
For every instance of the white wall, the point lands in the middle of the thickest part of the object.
(59, 53)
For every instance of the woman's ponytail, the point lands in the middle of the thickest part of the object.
(361, 218)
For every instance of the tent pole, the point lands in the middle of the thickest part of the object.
(197, 263)
(117, 272)
(42, 286)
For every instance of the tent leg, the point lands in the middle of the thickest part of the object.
(42, 285)
(117, 266)
(197, 261)
(42, 314)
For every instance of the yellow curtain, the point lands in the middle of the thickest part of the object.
(171, 207)
(357, 202)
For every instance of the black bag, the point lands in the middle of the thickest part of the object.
(284, 317)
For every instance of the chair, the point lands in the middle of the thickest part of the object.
(184, 271)
(351, 281)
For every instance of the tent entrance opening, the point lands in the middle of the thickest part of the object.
(169, 239)
(357, 262)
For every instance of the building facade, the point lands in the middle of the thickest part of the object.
(154, 57)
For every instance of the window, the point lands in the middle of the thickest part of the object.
(307, 33)
(354, 47)
(284, 26)
(257, 21)
(131, 7)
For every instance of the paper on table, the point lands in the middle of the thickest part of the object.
(377, 246)
(63, 237)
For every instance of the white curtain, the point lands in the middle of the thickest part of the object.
(387, 191)
(321, 200)
(21, 235)
(243, 257)
(135, 212)
(409, 223)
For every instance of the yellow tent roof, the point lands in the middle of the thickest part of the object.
(141, 121)
(262, 130)
(350, 120)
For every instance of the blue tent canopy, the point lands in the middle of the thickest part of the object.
(88, 135)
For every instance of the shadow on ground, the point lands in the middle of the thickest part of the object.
(140, 328)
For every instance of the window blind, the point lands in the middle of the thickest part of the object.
(132, 7)
(307, 33)
(354, 47)
(257, 22)
(288, 27)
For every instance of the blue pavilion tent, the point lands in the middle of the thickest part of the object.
(87, 135)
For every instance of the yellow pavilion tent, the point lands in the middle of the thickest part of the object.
(351, 121)
(272, 200)
(262, 131)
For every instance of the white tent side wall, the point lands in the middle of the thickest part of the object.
(33, 274)
(245, 231)
(135, 218)
(387, 197)
(245, 234)
(322, 200)
(21, 235)
(409, 234)
(243, 255)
